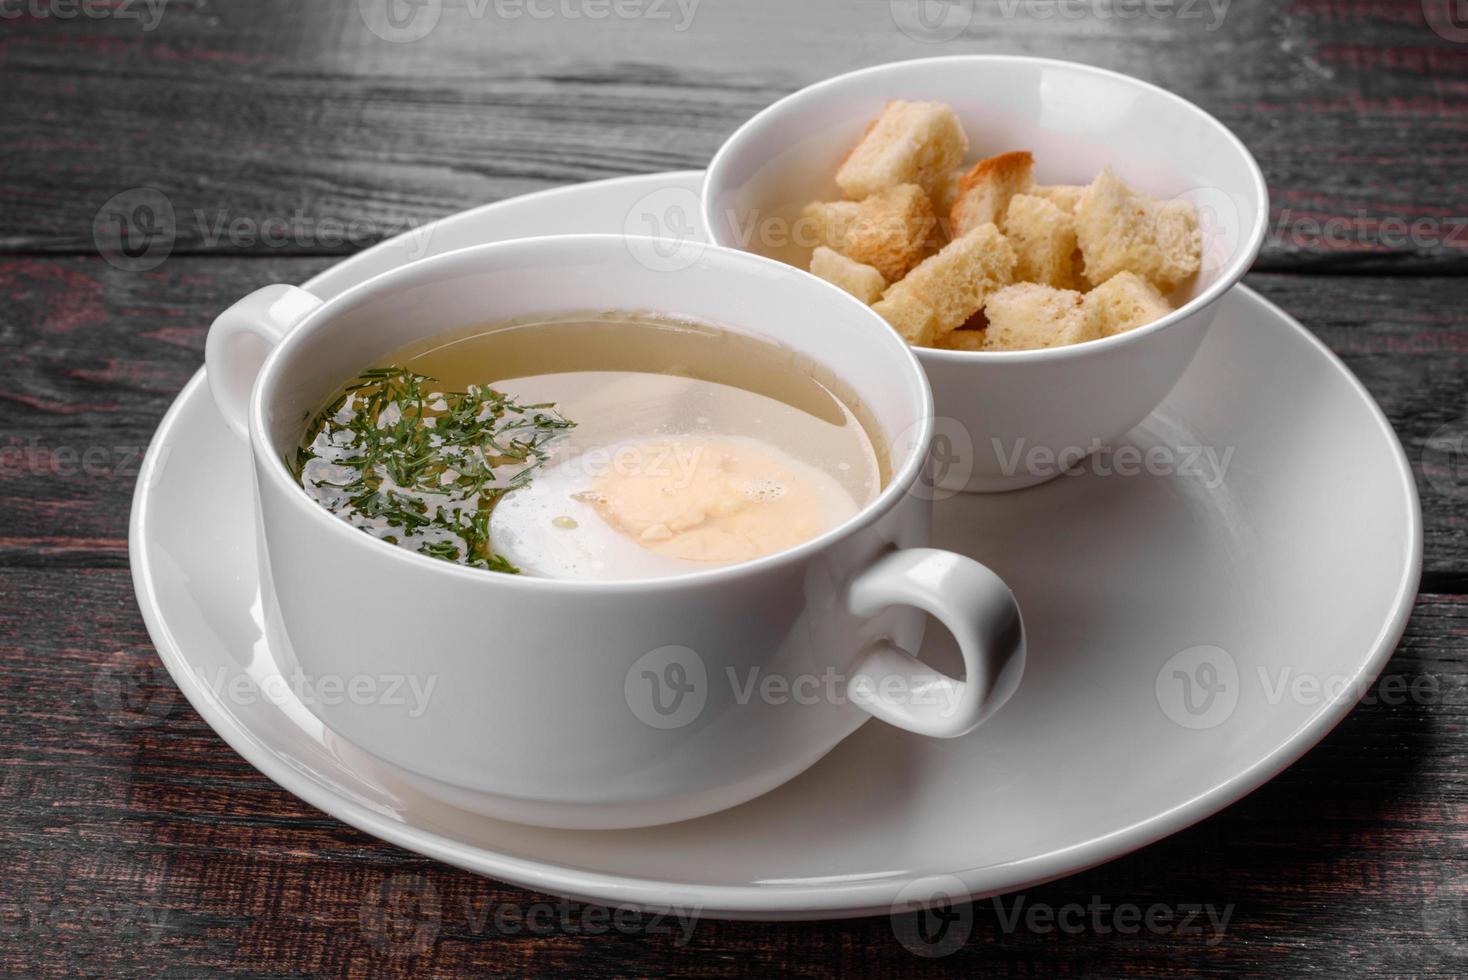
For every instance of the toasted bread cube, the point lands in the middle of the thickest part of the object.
(1121, 230)
(910, 143)
(1044, 241)
(947, 192)
(964, 340)
(1124, 301)
(826, 223)
(909, 316)
(892, 230)
(984, 192)
(1028, 316)
(1063, 196)
(956, 281)
(861, 281)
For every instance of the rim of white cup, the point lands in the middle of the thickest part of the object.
(1242, 259)
(898, 485)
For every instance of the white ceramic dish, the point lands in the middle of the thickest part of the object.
(588, 704)
(1076, 119)
(1126, 582)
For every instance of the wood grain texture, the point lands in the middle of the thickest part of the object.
(277, 111)
(137, 843)
(283, 134)
(101, 352)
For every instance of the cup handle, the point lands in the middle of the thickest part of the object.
(975, 605)
(240, 339)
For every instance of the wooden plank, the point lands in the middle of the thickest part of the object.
(98, 354)
(137, 842)
(296, 121)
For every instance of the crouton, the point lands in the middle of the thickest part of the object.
(1124, 301)
(827, 222)
(984, 192)
(963, 340)
(1063, 196)
(1044, 240)
(1028, 316)
(910, 143)
(1121, 230)
(956, 281)
(909, 316)
(892, 230)
(947, 192)
(861, 281)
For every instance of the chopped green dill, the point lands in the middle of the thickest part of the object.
(422, 468)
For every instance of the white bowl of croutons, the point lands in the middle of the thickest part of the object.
(1052, 238)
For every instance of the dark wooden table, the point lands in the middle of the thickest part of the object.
(285, 133)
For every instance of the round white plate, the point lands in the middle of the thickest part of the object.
(1202, 609)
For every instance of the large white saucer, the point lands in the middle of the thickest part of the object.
(1301, 562)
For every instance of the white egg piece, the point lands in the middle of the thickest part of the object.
(656, 507)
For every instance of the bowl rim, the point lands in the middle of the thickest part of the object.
(905, 472)
(1231, 275)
